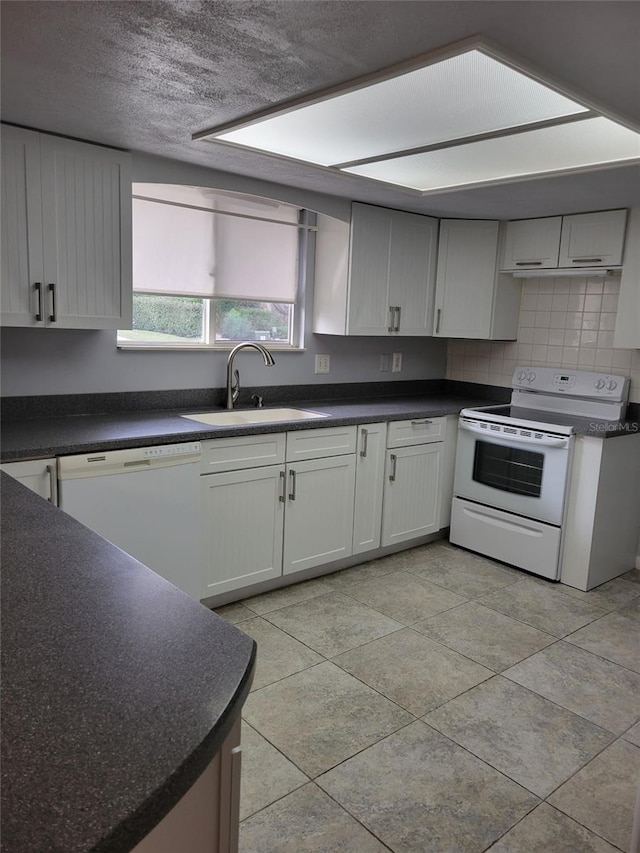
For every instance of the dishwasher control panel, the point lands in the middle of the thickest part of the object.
(172, 450)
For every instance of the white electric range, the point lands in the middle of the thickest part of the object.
(513, 464)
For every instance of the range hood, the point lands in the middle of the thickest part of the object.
(566, 272)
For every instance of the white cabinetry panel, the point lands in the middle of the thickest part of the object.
(319, 514)
(367, 518)
(376, 276)
(66, 210)
(243, 523)
(472, 299)
(411, 497)
(39, 475)
(532, 244)
(593, 239)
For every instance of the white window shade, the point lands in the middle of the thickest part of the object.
(173, 249)
(181, 251)
(255, 260)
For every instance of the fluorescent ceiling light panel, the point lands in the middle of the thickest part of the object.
(458, 97)
(469, 118)
(552, 149)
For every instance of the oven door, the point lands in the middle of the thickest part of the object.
(522, 475)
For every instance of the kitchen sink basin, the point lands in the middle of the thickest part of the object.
(239, 417)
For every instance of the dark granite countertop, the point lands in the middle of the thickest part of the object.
(42, 437)
(118, 689)
(39, 437)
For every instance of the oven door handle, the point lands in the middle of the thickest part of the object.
(548, 441)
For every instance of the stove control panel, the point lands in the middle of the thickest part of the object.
(573, 383)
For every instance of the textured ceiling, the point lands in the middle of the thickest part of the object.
(146, 75)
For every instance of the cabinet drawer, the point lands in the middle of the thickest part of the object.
(250, 451)
(415, 431)
(316, 443)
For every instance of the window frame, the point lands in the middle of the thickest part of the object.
(306, 227)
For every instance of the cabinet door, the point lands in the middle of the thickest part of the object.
(593, 239)
(39, 475)
(243, 522)
(367, 514)
(412, 272)
(319, 514)
(411, 493)
(21, 211)
(465, 279)
(369, 307)
(86, 197)
(532, 244)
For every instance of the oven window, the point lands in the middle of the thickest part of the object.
(508, 468)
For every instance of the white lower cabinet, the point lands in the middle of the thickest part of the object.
(39, 475)
(277, 505)
(243, 523)
(411, 493)
(318, 525)
(367, 510)
(263, 521)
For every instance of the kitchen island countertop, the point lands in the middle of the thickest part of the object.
(118, 689)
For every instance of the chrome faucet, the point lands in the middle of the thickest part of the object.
(233, 388)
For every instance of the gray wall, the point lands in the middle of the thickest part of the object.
(57, 361)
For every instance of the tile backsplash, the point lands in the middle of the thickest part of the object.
(564, 322)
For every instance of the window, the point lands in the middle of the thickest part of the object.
(212, 267)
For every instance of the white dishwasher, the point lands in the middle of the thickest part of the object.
(146, 501)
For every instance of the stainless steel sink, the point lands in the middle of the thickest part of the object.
(240, 417)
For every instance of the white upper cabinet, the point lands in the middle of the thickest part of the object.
(532, 244)
(66, 213)
(627, 330)
(375, 276)
(472, 299)
(593, 239)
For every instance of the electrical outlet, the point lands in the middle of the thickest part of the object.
(384, 362)
(323, 363)
(396, 364)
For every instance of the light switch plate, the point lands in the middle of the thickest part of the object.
(396, 363)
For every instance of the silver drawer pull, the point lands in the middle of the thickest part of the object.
(420, 423)
(53, 317)
(292, 493)
(365, 442)
(283, 493)
(528, 263)
(397, 322)
(438, 315)
(51, 471)
(586, 260)
(392, 317)
(394, 463)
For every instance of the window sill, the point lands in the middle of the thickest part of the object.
(223, 347)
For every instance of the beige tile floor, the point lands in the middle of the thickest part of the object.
(438, 702)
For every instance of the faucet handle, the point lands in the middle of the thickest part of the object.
(258, 400)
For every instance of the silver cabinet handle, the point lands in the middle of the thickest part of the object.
(392, 314)
(394, 462)
(51, 471)
(283, 491)
(292, 493)
(38, 289)
(365, 441)
(53, 317)
(438, 315)
(586, 260)
(528, 263)
(420, 423)
(397, 323)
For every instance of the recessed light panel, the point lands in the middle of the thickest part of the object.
(469, 118)
(458, 97)
(552, 149)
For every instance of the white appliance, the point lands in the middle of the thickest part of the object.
(513, 464)
(146, 501)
